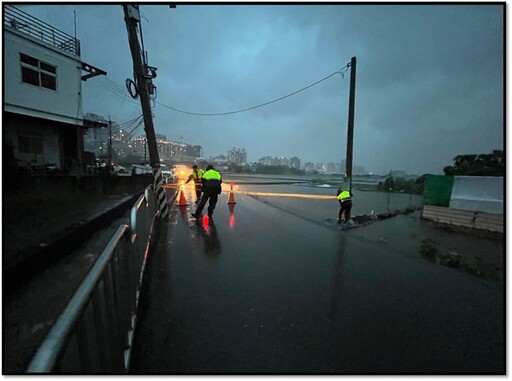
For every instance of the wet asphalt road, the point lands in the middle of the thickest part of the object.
(260, 290)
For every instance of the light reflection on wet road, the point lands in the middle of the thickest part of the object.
(259, 290)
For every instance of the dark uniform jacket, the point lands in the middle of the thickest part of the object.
(212, 181)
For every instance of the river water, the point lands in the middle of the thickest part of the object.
(286, 196)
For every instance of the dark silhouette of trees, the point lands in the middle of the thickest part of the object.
(392, 185)
(492, 164)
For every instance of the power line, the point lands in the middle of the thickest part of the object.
(120, 91)
(130, 133)
(115, 89)
(340, 71)
(130, 122)
(108, 86)
(111, 86)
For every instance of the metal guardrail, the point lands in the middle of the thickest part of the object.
(17, 19)
(94, 333)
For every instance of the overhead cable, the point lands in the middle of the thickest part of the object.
(120, 91)
(131, 122)
(340, 71)
(130, 133)
(114, 88)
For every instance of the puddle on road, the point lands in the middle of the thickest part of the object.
(362, 220)
(333, 223)
(473, 255)
(474, 252)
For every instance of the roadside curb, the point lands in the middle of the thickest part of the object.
(33, 260)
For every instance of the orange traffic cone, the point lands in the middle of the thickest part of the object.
(231, 198)
(182, 201)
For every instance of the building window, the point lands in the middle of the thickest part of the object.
(32, 144)
(38, 73)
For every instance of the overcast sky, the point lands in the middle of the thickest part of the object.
(429, 80)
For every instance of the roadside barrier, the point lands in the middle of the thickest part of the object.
(94, 333)
(163, 204)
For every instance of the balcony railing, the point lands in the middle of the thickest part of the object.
(14, 18)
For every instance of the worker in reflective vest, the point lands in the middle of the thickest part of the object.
(197, 176)
(211, 188)
(345, 200)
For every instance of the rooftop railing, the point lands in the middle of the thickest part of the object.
(17, 19)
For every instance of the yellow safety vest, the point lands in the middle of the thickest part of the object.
(212, 174)
(344, 196)
(197, 175)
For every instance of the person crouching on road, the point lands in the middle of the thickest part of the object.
(197, 176)
(211, 188)
(345, 200)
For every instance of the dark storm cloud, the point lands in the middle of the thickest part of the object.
(429, 77)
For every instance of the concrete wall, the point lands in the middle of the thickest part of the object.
(476, 220)
(16, 126)
(43, 187)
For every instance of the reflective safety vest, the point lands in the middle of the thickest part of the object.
(197, 175)
(212, 174)
(344, 196)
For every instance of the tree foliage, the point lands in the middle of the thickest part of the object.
(391, 184)
(492, 164)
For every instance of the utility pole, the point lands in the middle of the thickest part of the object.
(109, 142)
(132, 17)
(143, 75)
(350, 130)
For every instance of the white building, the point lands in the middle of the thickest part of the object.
(43, 120)
(237, 155)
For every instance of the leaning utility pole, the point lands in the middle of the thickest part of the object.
(350, 130)
(143, 75)
(132, 17)
(109, 142)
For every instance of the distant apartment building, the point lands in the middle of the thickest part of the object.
(43, 121)
(309, 166)
(356, 169)
(267, 160)
(218, 160)
(295, 162)
(333, 168)
(320, 167)
(237, 155)
(325, 168)
(123, 144)
(195, 151)
(170, 150)
(284, 161)
(101, 133)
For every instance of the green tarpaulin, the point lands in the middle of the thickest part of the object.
(438, 190)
